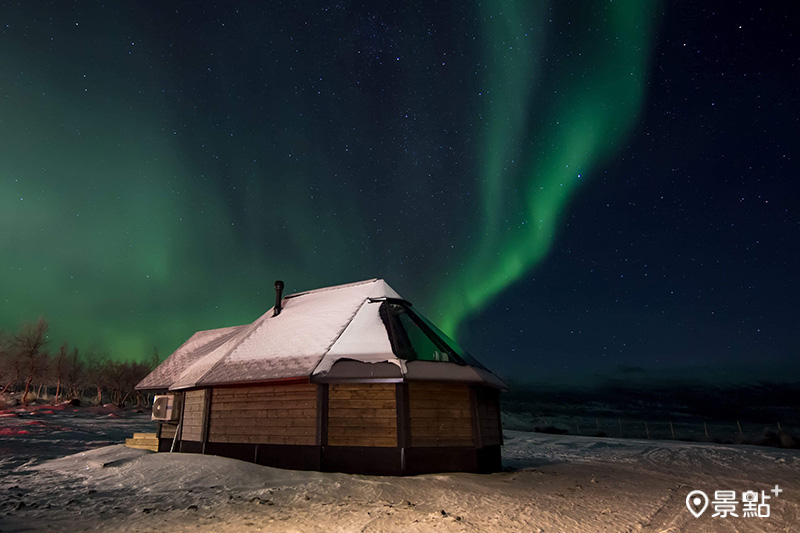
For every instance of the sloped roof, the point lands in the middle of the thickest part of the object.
(315, 330)
(197, 346)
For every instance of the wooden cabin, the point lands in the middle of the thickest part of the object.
(346, 379)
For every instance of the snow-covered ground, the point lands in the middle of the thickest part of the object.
(553, 483)
(43, 432)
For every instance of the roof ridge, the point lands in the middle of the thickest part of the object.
(347, 325)
(332, 288)
(219, 339)
(215, 329)
(202, 331)
(240, 337)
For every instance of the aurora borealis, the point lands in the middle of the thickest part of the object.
(567, 187)
(542, 137)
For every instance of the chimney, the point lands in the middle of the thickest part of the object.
(278, 297)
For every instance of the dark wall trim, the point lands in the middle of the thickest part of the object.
(403, 422)
(477, 439)
(362, 460)
(243, 384)
(322, 414)
(179, 429)
(206, 418)
(353, 459)
(291, 457)
(441, 459)
(188, 446)
(403, 415)
(244, 452)
(359, 380)
(489, 459)
(496, 396)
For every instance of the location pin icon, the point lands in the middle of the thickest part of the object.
(697, 502)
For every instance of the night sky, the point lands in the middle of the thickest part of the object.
(572, 189)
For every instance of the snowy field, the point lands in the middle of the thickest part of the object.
(553, 483)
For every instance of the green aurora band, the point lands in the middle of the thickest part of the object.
(549, 123)
(140, 201)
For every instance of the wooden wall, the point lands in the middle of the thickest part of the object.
(435, 414)
(168, 430)
(488, 401)
(274, 414)
(362, 414)
(193, 415)
(440, 414)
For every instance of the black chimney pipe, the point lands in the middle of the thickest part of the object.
(278, 297)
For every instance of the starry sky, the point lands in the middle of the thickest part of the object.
(573, 190)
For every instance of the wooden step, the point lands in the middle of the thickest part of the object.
(143, 443)
(148, 448)
(144, 436)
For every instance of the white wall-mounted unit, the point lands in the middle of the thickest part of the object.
(166, 408)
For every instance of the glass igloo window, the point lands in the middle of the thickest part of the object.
(412, 338)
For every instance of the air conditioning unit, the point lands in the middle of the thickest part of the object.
(166, 408)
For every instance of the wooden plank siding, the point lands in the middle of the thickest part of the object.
(193, 415)
(489, 416)
(362, 414)
(440, 414)
(167, 430)
(267, 414)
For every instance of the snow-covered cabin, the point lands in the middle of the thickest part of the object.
(347, 378)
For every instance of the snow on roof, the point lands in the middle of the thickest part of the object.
(273, 347)
(197, 346)
(364, 340)
(380, 290)
(288, 345)
(314, 330)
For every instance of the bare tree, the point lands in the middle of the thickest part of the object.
(114, 376)
(74, 374)
(59, 367)
(135, 372)
(9, 363)
(121, 377)
(144, 369)
(96, 372)
(29, 344)
(23, 358)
